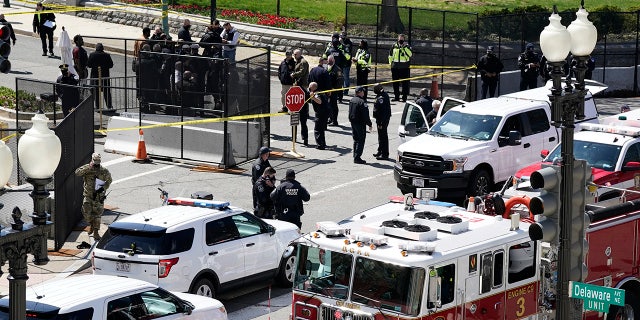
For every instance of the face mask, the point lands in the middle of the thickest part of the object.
(400, 41)
(325, 65)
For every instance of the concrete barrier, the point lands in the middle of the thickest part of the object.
(203, 142)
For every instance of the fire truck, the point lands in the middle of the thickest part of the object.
(420, 259)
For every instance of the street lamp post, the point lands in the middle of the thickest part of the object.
(39, 152)
(556, 42)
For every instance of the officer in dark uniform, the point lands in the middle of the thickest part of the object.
(382, 114)
(529, 65)
(288, 198)
(68, 92)
(424, 101)
(359, 118)
(258, 168)
(262, 192)
(489, 67)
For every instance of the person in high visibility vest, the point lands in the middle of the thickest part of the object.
(362, 60)
(400, 61)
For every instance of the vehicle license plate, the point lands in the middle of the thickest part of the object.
(123, 266)
(418, 182)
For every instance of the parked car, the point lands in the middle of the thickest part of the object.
(197, 246)
(478, 144)
(106, 297)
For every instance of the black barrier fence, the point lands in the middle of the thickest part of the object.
(76, 137)
(171, 84)
(442, 39)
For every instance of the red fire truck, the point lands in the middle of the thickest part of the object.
(431, 260)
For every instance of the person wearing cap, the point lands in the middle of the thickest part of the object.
(529, 65)
(341, 56)
(259, 165)
(400, 61)
(183, 32)
(66, 89)
(382, 114)
(44, 24)
(363, 62)
(288, 199)
(211, 39)
(100, 62)
(230, 37)
(489, 67)
(97, 180)
(284, 74)
(347, 46)
(262, 193)
(359, 118)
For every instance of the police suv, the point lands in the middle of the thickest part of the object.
(197, 246)
(478, 144)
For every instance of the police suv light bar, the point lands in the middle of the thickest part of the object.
(623, 130)
(198, 203)
(332, 229)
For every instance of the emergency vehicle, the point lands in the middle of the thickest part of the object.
(611, 148)
(423, 260)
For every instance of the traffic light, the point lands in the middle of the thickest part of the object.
(5, 48)
(579, 221)
(547, 204)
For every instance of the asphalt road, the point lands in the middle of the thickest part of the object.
(339, 188)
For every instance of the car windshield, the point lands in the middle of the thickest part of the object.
(140, 242)
(466, 126)
(598, 155)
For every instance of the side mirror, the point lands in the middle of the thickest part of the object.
(515, 138)
(271, 229)
(435, 291)
(631, 166)
(544, 153)
(410, 129)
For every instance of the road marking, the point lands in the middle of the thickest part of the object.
(352, 182)
(142, 174)
(116, 161)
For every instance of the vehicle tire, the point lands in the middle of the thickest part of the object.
(203, 287)
(480, 183)
(629, 311)
(287, 270)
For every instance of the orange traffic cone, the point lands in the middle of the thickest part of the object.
(435, 93)
(141, 154)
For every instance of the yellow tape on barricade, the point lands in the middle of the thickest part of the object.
(195, 122)
(7, 138)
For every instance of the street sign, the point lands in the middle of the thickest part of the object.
(294, 99)
(295, 118)
(596, 298)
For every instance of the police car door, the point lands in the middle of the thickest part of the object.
(224, 252)
(260, 250)
(484, 285)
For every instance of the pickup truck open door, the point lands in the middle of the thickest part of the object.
(414, 118)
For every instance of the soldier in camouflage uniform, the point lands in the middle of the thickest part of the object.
(94, 195)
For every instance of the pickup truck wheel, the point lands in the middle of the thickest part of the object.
(480, 183)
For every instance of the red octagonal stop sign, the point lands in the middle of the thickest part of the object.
(294, 99)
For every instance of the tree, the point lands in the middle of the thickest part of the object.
(390, 17)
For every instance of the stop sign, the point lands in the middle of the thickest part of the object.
(294, 99)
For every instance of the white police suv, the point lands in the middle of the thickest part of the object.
(197, 246)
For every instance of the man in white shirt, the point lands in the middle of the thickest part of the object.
(230, 37)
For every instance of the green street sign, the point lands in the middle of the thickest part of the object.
(596, 298)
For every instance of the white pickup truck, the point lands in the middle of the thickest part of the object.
(478, 144)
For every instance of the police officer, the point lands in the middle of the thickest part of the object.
(68, 92)
(97, 180)
(262, 192)
(424, 101)
(490, 67)
(382, 114)
(400, 61)
(359, 118)
(529, 64)
(258, 168)
(363, 61)
(340, 54)
(288, 198)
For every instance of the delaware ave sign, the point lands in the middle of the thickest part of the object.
(596, 298)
